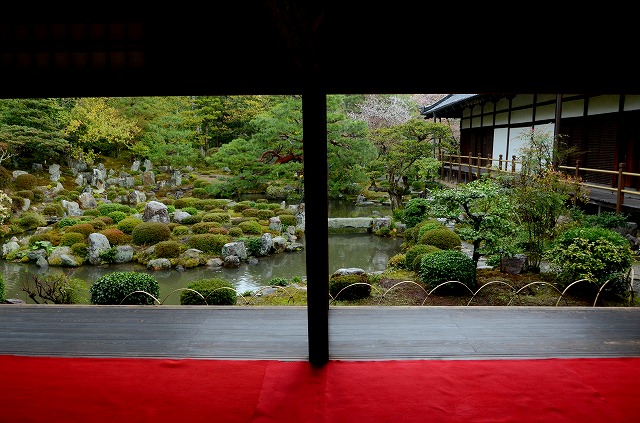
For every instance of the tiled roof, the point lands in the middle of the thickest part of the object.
(448, 102)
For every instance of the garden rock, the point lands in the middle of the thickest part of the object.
(10, 247)
(234, 249)
(266, 244)
(159, 264)
(86, 201)
(231, 261)
(96, 245)
(124, 254)
(155, 211)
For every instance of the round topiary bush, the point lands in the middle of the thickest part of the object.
(119, 287)
(415, 251)
(26, 181)
(150, 233)
(443, 238)
(209, 243)
(447, 265)
(349, 287)
(215, 291)
(250, 227)
(115, 236)
(127, 224)
(85, 229)
(70, 238)
(168, 249)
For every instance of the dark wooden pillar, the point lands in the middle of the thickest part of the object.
(314, 126)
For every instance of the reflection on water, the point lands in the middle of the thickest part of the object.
(362, 250)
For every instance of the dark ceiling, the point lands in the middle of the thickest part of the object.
(288, 46)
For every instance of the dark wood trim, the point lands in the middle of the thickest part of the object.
(314, 112)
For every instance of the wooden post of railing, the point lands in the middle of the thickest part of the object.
(470, 167)
(442, 166)
(500, 162)
(459, 168)
(479, 166)
(578, 169)
(513, 164)
(620, 188)
(489, 165)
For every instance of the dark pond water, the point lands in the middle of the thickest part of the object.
(362, 250)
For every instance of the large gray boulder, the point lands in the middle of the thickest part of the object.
(155, 211)
(96, 245)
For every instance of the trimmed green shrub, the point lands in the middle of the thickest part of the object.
(427, 225)
(26, 181)
(80, 249)
(127, 224)
(190, 210)
(119, 287)
(235, 232)
(117, 215)
(287, 219)
(190, 220)
(204, 227)
(216, 217)
(215, 291)
(149, 233)
(180, 230)
(67, 221)
(85, 229)
(250, 227)
(265, 214)
(597, 254)
(115, 236)
(168, 249)
(70, 238)
(396, 261)
(349, 287)
(98, 224)
(443, 238)
(53, 210)
(223, 231)
(107, 208)
(209, 243)
(91, 212)
(414, 254)
(447, 265)
(31, 220)
(249, 212)
(25, 194)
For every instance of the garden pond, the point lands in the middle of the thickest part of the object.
(358, 249)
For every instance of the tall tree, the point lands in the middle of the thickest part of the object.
(32, 128)
(165, 130)
(400, 149)
(93, 124)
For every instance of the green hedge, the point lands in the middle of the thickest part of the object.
(114, 288)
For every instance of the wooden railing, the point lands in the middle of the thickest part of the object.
(458, 168)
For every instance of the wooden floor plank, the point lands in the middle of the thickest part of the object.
(356, 333)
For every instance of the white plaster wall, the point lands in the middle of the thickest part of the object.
(604, 104)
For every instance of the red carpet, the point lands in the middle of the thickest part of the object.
(42, 389)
